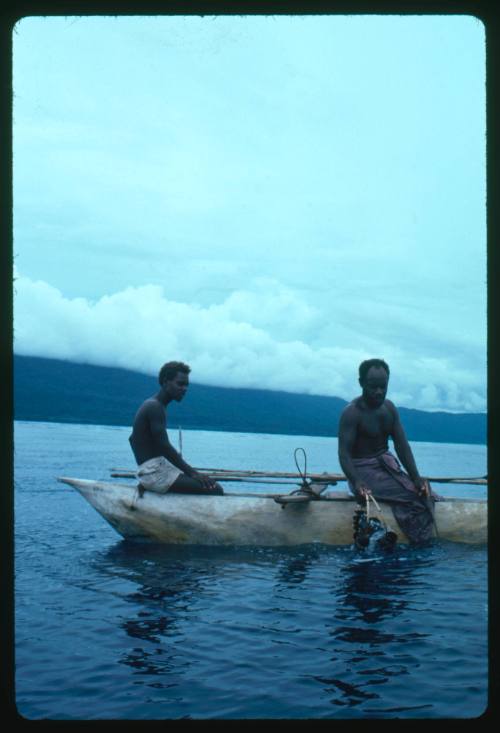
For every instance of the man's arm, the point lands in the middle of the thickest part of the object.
(347, 438)
(404, 452)
(158, 428)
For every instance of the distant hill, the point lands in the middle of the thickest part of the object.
(51, 390)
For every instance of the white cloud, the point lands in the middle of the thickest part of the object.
(272, 306)
(249, 340)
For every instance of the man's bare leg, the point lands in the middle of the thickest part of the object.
(186, 485)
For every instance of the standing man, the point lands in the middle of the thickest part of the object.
(161, 467)
(366, 424)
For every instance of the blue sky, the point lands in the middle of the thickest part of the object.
(271, 199)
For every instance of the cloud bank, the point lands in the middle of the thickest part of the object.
(258, 337)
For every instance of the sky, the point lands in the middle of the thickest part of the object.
(271, 199)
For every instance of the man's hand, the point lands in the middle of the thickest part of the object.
(204, 480)
(362, 489)
(423, 487)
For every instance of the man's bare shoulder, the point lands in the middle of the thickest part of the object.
(391, 407)
(151, 406)
(352, 410)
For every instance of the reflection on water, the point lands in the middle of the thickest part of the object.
(371, 596)
(149, 629)
(341, 620)
(293, 570)
(353, 695)
(164, 581)
(375, 590)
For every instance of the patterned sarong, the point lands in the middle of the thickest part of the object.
(388, 482)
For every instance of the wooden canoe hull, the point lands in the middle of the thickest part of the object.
(251, 520)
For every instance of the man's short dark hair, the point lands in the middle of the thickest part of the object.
(365, 366)
(170, 369)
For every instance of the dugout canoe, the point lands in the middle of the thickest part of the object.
(252, 519)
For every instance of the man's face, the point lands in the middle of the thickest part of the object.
(177, 387)
(375, 386)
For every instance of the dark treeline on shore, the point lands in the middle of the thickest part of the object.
(51, 390)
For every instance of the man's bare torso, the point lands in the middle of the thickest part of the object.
(373, 427)
(142, 442)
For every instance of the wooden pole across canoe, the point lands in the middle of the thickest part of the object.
(224, 474)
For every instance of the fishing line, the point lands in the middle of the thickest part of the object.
(378, 509)
(367, 529)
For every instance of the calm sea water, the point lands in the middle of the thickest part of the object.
(108, 630)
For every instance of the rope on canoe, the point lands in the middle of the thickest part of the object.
(306, 491)
(303, 475)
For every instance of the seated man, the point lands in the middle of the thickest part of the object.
(161, 467)
(365, 426)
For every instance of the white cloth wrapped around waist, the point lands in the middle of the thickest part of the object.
(157, 474)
